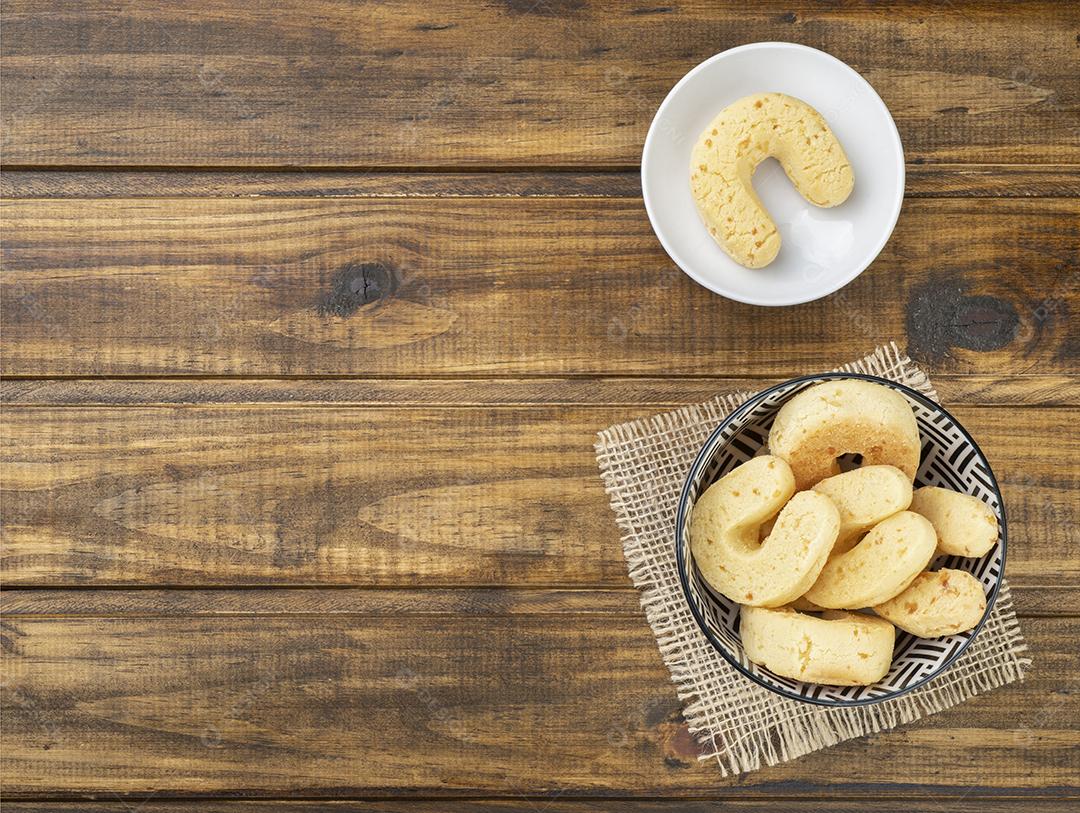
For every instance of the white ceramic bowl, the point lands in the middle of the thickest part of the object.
(822, 249)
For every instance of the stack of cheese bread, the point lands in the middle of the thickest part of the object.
(803, 546)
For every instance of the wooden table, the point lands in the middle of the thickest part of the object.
(310, 313)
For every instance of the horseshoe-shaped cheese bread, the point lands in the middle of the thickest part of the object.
(940, 603)
(728, 151)
(724, 534)
(846, 416)
(843, 649)
(865, 497)
(881, 566)
(965, 525)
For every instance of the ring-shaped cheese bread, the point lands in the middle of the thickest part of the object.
(845, 416)
(724, 534)
(937, 603)
(881, 566)
(745, 133)
(843, 649)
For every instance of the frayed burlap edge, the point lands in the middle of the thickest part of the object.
(740, 725)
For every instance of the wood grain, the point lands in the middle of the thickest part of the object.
(329, 299)
(549, 804)
(319, 602)
(433, 496)
(542, 82)
(578, 705)
(923, 181)
(538, 286)
(656, 393)
(77, 602)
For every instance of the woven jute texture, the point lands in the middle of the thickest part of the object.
(740, 725)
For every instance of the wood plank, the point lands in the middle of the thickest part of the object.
(657, 393)
(1030, 602)
(348, 601)
(551, 82)
(437, 706)
(343, 184)
(545, 804)
(338, 495)
(923, 181)
(960, 180)
(536, 286)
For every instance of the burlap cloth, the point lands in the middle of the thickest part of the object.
(643, 464)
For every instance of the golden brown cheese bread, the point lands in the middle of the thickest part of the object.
(844, 649)
(881, 566)
(865, 497)
(728, 151)
(939, 603)
(724, 534)
(845, 416)
(965, 525)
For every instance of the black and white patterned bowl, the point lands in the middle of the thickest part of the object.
(950, 459)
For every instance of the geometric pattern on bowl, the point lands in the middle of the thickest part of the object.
(950, 458)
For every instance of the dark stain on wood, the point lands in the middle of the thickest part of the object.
(789, 17)
(356, 285)
(668, 726)
(9, 635)
(677, 744)
(544, 8)
(942, 315)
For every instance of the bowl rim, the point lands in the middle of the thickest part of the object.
(896, 144)
(699, 461)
